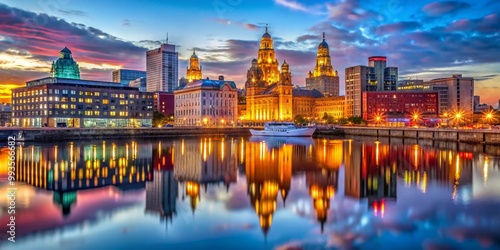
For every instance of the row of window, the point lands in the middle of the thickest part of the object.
(223, 102)
(203, 112)
(80, 112)
(39, 92)
(79, 106)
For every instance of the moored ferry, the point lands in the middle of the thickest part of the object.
(282, 129)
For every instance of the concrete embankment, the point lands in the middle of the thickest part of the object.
(469, 136)
(58, 134)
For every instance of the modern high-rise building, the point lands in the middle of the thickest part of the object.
(456, 93)
(325, 78)
(162, 69)
(374, 77)
(124, 76)
(477, 101)
(387, 77)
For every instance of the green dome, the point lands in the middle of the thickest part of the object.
(65, 66)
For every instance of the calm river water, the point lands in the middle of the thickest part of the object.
(253, 193)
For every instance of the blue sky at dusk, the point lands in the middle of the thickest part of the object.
(425, 39)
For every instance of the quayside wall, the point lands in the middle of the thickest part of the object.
(468, 136)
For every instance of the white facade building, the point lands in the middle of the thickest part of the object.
(207, 103)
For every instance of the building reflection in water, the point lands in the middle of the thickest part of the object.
(370, 172)
(178, 169)
(269, 165)
(201, 162)
(66, 168)
(162, 191)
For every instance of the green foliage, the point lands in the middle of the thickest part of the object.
(328, 119)
(356, 120)
(159, 119)
(343, 121)
(299, 119)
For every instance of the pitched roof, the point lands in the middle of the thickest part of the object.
(207, 83)
(304, 92)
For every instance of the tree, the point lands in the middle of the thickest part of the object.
(343, 121)
(159, 119)
(356, 120)
(299, 119)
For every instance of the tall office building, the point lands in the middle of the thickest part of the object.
(162, 69)
(477, 101)
(456, 93)
(387, 77)
(124, 76)
(375, 77)
(324, 78)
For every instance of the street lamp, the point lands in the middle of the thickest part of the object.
(458, 118)
(489, 116)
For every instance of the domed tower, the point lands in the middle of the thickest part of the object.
(193, 73)
(285, 88)
(255, 75)
(267, 60)
(65, 66)
(323, 60)
(324, 78)
(286, 75)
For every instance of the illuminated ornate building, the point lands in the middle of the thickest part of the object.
(267, 61)
(333, 106)
(193, 73)
(268, 102)
(324, 78)
(270, 94)
(304, 101)
(65, 66)
(268, 168)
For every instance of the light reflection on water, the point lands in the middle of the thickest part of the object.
(255, 193)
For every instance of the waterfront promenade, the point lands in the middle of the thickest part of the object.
(50, 134)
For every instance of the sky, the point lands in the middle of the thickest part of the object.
(425, 39)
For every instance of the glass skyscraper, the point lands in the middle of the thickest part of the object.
(162, 69)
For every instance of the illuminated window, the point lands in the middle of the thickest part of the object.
(88, 100)
(105, 101)
(96, 93)
(112, 113)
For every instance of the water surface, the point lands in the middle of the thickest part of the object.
(254, 193)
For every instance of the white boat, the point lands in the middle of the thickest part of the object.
(282, 129)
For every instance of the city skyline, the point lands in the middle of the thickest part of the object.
(425, 39)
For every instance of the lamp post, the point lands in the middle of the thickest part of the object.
(378, 119)
(458, 117)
